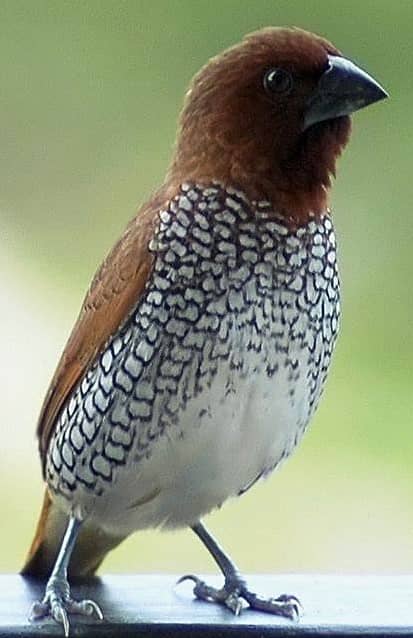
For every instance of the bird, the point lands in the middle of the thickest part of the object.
(204, 341)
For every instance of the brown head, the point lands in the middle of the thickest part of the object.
(271, 116)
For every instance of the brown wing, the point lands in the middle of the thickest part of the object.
(115, 289)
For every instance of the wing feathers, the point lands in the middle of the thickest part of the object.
(115, 289)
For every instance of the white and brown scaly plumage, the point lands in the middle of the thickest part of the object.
(203, 344)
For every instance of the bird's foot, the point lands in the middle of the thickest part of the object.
(235, 591)
(58, 604)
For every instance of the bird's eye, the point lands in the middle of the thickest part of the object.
(278, 81)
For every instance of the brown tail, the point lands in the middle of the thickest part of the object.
(91, 546)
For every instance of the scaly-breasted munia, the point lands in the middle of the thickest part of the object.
(204, 341)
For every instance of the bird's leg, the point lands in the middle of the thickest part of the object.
(235, 589)
(57, 601)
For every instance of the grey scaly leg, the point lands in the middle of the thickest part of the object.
(57, 601)
(235, 589)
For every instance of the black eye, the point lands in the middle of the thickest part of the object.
(278, 81)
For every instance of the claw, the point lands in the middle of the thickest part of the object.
(284, 605)
(185, 577)
(234, 603)
(58, 604)
(294, 603)
(84, 607)
(292, 600)
(38, 610)
(235, 591)
(92, 608)
(59, 613)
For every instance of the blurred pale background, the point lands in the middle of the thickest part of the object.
(89, 96)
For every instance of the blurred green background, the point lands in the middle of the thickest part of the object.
(89, 97)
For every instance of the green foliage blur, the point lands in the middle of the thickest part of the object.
(89, 97)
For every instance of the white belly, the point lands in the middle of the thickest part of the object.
(237, 438)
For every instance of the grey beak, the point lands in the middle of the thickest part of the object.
(343, 88)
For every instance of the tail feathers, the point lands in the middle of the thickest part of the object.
(91, 546)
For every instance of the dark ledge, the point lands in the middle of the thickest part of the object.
(149, 606)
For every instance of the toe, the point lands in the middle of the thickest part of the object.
(38, 610)
(86, 608)
(93, 609)
(235, 594)
(194, 579)
(59, 613)
(59, 609)
(292, 600)
(234, 603)
(287, 606)
(273, 606)
(292, 604)
(205, 592)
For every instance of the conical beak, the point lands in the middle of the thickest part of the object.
(343, 88)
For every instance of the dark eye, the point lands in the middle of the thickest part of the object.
(278, 81)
